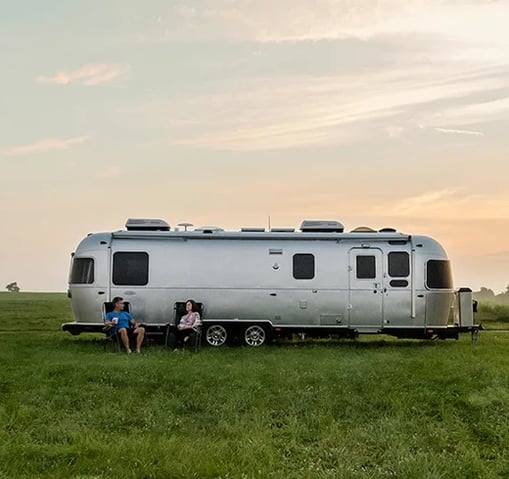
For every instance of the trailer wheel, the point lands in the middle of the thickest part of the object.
(216, 335)
(255, 335)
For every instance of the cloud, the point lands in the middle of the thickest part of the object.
(500, 254)
(287, 112)
(476, 112)
(416, 204)
(448, 204)
(43, 146)
(459, 132)
(266, 21)
(88, 75)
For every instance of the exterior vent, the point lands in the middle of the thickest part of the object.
(363, 229)
(387, 230)
(252, 230)
(144, 224)
(282, 230)
(316, 226)
(209, 229)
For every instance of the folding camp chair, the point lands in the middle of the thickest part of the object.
(194, 338)
(111, 336)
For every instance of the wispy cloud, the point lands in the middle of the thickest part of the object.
(447, 203)
(88, 75)
(418, 203)
(266, 21)
(43, 146)
(299, 111)
(476, 112)
(459, 132)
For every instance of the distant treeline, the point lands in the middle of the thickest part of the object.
(486, 294)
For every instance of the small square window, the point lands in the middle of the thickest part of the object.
(303, 266)
(366, 267)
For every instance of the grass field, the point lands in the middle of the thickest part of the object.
(370, 408)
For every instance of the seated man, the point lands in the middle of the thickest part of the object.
(123, 322)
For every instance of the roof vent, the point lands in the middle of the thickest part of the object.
(363, 229)
(282, 230)
(252, 230)
(209, 229)
(146, 224)
(387, 230)
(317, 226)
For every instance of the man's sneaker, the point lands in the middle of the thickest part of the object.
(138, 351)
(129, 351)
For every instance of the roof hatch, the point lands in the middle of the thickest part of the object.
(321, 226)
(146, 224)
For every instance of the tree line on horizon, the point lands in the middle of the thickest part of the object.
(487, 294)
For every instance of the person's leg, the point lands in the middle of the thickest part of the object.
(140, 334)
(180, 338)
(124, 338)
(189, 337)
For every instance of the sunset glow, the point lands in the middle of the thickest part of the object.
(370, 112)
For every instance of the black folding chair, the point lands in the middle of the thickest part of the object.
(194, 338)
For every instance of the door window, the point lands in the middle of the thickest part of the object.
(366, 267)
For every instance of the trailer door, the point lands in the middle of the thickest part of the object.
(366, 288)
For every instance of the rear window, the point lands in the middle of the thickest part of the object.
(82, 271)
(130, 269)
(439, 274)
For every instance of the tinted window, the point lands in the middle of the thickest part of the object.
(438, 274)
(366, 267)
(399, 264)
(130, 269)
(303, 266)
(82, 271)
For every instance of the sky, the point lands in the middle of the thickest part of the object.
(380, 113)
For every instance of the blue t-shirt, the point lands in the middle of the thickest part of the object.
(123, 319)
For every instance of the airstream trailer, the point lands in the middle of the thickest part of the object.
(255, 284)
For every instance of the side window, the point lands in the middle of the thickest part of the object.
(130, 269)
(366, 267)
(399, 264)
(82, 271)
(438, 274)
(303, 266)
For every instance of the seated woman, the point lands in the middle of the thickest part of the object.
(189, 323)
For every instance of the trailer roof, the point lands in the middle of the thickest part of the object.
(258, 235)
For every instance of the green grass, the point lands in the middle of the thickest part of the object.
(493, 316)
(371, 408)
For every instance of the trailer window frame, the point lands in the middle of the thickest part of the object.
(135, 273)
(439, 274)
(82, 270)
(303, 266)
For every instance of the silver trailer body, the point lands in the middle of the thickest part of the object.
(313, 281)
